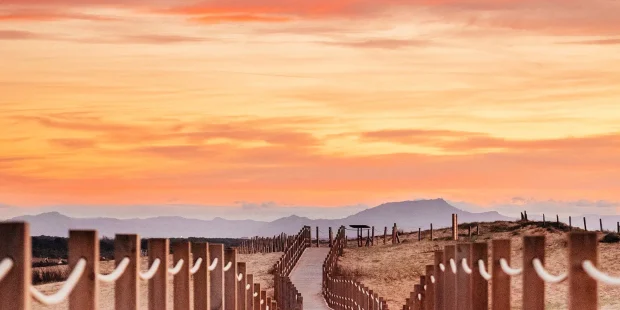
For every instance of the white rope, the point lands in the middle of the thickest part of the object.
(453, 265)
(465, 266)
(432, 279)
(546, 276)
(425, 287)
(176, 268)
(262, 301)
(247, 287)
(117, 273)
(65, 290)
(5, 267)
(419, 296)
(151, 272)
(240, 277)
(213, 264)
(227, 266)
(483, 270)
(598, 275)
(442, 267)
(509, 271)
(196, 265)
(255, 294)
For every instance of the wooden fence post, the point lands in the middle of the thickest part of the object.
(84, 244)
(430, 288)
(241, 271)
(582, 289)
(249, 292)
(317, 236)
(557, 220)
(331, 238)
(431, 231)
(533, 285)
(373, 236)
(479, 286)
(16, 244)
(126, 289)
(384, 234)
(181, 283)
(455, 227)
(394, 234)
(450, 288)
(230, 279)
(256, 296)
(570, 224)
(544, 222)
(439, 281)
(419, 234)
(218, 302)
(263, 300)
(501, 281)
(463, 279)
(202, 289)
(585, 227)
(601, 223)
(158, 285)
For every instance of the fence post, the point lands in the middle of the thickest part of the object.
(419, 234)
(394, 234)
(582, 289)
(317, 236)
(216, 251)
(533, 285)
(585, 227)
(479, 286)
(570, 224)
(181, 281)
(544, 221)
(618, 224)
(230, 279)
(439, 281)
(450, 288)
(126, 290)
(431, 231)
(464, 283)
(455, 227)
(263, 300)
(601, 223)
(249, 292)
(331, 238)
(241, 270)
(384, 234)
(84, 244)
(256, 296)
(158, 285)
(430, 288)
(557, 220)
(202, 292)
(372, 242)
(16, 244)
(501, 281)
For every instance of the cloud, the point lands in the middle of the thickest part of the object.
(382, 43)
(614, 41)
(73, 143)
(47, 14)
(20, 35)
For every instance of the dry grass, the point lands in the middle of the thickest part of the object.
(257, 264)
(392, 270)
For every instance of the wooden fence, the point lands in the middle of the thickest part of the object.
(285, 292)
(459, 276)
(342, 293)
(266, 244)
(219, 281)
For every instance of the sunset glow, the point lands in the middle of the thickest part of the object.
(322, 102)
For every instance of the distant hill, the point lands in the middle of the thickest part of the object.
(409, 215)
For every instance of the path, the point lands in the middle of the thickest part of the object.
(306, 276)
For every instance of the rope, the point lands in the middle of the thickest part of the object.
(227, 266)
(65, 290)
(442, 267)
(509, 271)
(598, 275)
(419, 296)
(117, 273)
(176, 268)
(546, 276)
(247, 287)
(5, 267)
(196, 265)
(465, 266)
(483, 270)
(255, 294)
(151, 272)
(453, 265)
(240, 277)
(432, 279)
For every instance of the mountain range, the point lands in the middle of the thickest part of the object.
(408, 215)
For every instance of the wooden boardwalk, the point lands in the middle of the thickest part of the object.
(306, 276)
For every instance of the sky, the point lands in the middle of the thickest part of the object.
(110, 105)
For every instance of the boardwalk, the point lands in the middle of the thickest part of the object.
(307, 278)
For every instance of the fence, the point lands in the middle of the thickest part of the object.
(216, 285)
(266, 245)
(285, 292)
(341, 293)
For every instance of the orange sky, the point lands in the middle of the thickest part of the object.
(308, 102)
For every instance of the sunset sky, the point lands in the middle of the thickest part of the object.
(322, 103)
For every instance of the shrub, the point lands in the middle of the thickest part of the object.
(611, 238)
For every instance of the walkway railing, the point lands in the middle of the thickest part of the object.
(219, 281)
(284, 291)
